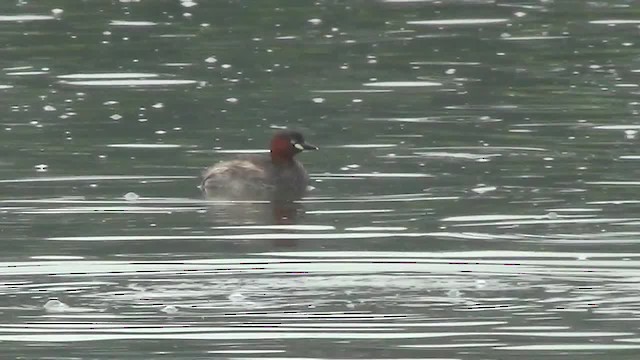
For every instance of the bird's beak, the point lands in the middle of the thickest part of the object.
(305, 146)
(309, 147)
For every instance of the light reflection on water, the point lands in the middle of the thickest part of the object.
(296, 288)
(528, 300)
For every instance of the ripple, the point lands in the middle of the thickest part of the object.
(351, 91)
(403, 84)
(364, 211)
(107, 76)
(372, 175)
(92, 178)
(26, 17)
(108, 209)
(27, 73)
(264, 236)
(240, 151)
(530, 38)
(453, 346)
(177, 64)
(277, 227)
(128, 83)
(381, 198)
(253, 351)
(458, 22)
(377, 228)
(55, 257)
(493, 299)
(132, 23)
(224, 335)
(424, 119)
(546, 220)
(615, 22)
(615, 183)
(617, 127)
(446, 63)
(466, 156)
(145, 146)
(569, 347)
(492, 217)
(405, 1)
(483, 148)
(629, 157)
(366, 146)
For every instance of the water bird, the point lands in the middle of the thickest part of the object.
(276, 176)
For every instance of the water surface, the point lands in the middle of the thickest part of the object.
(474, 196)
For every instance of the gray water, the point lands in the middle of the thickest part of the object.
(475, 192)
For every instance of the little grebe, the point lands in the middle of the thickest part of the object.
(277, 176)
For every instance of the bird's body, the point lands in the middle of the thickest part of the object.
(274, 176)
(256, 177)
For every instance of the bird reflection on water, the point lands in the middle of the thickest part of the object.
(260, 189)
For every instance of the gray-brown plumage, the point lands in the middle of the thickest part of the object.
(273, 176)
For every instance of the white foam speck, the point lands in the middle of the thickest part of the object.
(131, 196)
(236, 297)
(188, 3)
(484, 189)
(169, 309)
(55, 305)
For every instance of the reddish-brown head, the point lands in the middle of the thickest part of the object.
(286, 144)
